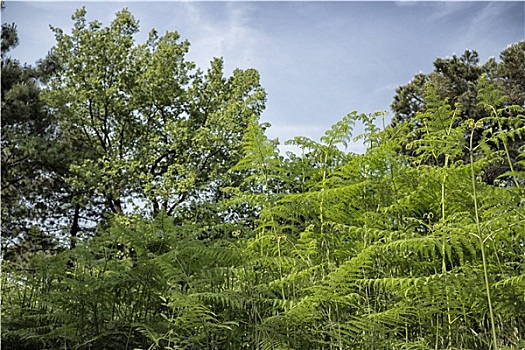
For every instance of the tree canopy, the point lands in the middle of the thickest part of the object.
(130, 124)
(460, 81)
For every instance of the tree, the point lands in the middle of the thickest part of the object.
(32, 164)
(510, 73)
(155, 131)
(457, 79)
(9, 34)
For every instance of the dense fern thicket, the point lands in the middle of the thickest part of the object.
(322, 250)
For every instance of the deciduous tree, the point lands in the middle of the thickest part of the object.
(156, 131)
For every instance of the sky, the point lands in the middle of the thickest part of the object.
(318, 60)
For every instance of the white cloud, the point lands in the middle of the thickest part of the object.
(488, 14)
(445, 10)
(227, 35)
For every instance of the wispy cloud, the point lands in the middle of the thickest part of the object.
(227, 34)
(447, 10)
(490, 13)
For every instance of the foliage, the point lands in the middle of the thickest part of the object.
(321, 250)
(114, 127)
(156, 129)
(459, 81)
(381, 251)
(153, 128)
(35, 197)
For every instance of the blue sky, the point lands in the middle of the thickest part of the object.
(318, 60)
